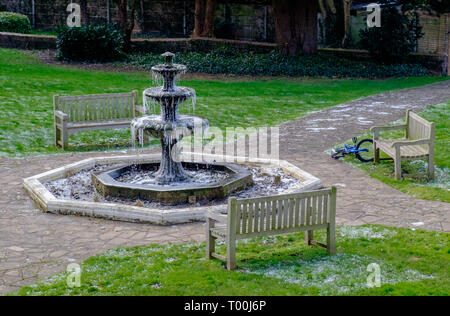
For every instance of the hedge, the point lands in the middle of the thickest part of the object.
(89, 43)
(14, 22)
(225, 60)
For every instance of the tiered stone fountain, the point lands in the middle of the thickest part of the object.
(171, 183)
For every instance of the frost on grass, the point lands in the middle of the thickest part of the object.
(333, 275)
(357, 232)
(442, 175)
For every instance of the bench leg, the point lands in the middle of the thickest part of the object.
(430, 167)
(331, 239)
(64, 138)
(376, 153)
(210, 240)
(231, 254)
(398, 168)
(57, 136)
(309, 236)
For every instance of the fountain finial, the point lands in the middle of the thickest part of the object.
(169, 57)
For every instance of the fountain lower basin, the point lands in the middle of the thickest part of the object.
(48, 202)
(229, 178)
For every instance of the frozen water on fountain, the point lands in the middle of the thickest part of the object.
(196, 176)
(168, 126)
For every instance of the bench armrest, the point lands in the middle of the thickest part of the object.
(216, 216)
(59, 114)
(377, 129)
(411, 143)
(140, 110)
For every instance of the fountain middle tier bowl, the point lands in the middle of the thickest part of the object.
(169, 68)
(156, 126)
(169, 97)
(210, 181)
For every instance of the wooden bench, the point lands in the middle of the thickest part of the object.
(91, 112)
(273, 215)
(417, 144)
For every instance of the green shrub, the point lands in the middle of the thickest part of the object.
(14, 22)
(395, 39)
(91, 43)
(226, 60)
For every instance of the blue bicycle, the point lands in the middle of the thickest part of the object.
(363, 150)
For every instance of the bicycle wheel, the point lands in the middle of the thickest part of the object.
(366, 155)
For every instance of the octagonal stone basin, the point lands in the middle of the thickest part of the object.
(47, 202)
(237, 179)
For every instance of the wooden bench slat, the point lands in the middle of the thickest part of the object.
(257, 217)
(314, 210)
(279, 214)
(268, 205)
(262, 218)
(250, 218)
(319, 210)
(286, 196)
(244, 219)
(95, 96)
(291, 212)
(238, 219)
(303, 212)
(296, 212)
(325, 209)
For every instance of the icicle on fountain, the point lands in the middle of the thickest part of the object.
(169, 127)
(171, 183)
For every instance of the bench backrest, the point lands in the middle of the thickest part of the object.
(418, 127)
(259, 216)
(97, 107)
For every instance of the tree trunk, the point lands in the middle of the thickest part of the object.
(126, 21)
(200, 11)
(296, 25)
(208, 29)
(347, 7)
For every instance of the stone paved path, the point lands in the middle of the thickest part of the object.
(34, 245)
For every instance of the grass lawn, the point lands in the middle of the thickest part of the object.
(411, 263)
(46, 33)
(26, 120)
(415, 180)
